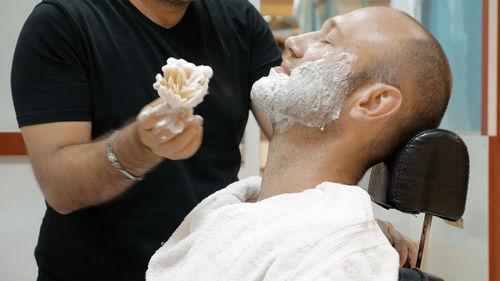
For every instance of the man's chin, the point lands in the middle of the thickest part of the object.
(280, 69)
(176, 2)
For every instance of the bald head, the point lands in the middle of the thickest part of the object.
(405, 55)
(396, 58)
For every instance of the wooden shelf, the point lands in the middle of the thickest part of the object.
(276, 7)
(285, 7)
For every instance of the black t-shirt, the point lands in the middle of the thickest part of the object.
(95, 60)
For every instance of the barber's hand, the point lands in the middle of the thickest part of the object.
(406, 248)
(169, 134)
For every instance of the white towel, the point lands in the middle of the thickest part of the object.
(324, 233)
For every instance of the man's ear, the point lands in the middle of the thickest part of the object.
(377, 101)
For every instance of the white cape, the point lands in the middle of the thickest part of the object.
(325, 233)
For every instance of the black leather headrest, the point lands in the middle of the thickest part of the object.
(429, 174)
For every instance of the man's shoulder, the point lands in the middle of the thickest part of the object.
(340, 187)
(67, 5)
(75, 4)
(240, 191)
(346, 196)
(230, 3)
(84, 7)
(240, 9)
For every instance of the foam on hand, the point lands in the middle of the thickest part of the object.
(183, 85)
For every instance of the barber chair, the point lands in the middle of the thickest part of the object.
(430, 175)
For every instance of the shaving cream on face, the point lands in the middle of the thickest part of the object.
(312, 95)
(182, 86)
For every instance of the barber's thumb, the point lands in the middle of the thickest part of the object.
(198, 120)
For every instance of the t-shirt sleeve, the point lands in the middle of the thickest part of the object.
(49, 80)
(265, 53)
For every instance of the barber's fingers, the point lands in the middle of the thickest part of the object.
(411, 258)
(182, 145)
(193, 146)
(185, 144)
(158, 111)
(400, 244)
(152, 138)
(384, 226)
(158, 133)
(167, 129)
(406, 248)
(412, 253)
(157, 121)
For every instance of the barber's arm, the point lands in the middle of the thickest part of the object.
(50, 82)
(74, 172)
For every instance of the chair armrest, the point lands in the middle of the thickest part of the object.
(415, 274)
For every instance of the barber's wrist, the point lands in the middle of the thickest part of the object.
(144, 149)
(113, 160)
(133, 155)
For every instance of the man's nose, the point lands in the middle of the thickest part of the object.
(295, 45)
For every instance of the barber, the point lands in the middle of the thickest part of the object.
(83, 69)
(116, 188)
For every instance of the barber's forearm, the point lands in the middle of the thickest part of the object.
(75, 173)
(80, 176)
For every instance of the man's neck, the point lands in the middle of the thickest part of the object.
(161, 12)
(298, 163)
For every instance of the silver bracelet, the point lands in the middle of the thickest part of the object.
(114, 161)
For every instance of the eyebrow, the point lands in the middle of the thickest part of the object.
(330, 23)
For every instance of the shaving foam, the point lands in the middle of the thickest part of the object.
(312, 95)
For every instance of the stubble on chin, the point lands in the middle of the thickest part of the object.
(175, 3)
